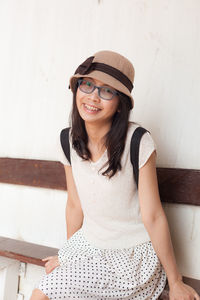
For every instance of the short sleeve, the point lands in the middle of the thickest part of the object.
(147, 146)
(60, 153)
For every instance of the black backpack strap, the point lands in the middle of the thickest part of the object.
(135, 144)
(64, 139)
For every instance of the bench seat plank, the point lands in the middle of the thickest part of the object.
(25, 251)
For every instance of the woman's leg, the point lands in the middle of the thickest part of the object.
(38, 295)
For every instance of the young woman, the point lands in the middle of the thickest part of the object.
(118, 241)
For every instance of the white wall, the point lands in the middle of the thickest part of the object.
(42, 43)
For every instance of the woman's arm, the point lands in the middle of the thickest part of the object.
(74, 220)
(74, 213)
(155, 221)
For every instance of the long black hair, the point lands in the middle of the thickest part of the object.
(114, 139)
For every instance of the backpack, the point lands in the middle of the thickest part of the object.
(134, 150)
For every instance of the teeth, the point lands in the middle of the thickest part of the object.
(91, 107)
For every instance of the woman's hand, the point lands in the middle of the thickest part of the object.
(182, 291)
(51, 263)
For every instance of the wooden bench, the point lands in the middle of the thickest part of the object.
(175, 186)
(24, 251)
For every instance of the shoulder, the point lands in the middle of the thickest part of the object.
(132, 126)
(147, 143)
(146, 137)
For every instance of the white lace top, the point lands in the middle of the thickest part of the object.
(111, 208)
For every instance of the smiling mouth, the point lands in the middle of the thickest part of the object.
(91, 108)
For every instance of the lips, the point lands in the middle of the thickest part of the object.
(91, 108)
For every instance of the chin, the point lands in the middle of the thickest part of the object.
(87, 117)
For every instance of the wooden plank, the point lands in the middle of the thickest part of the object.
(179, 185)
(175, 185)
(25, 251)
(32, 172)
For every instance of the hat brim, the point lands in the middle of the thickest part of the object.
(105, 78)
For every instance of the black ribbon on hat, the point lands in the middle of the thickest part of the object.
(88, 66)
(85, 67)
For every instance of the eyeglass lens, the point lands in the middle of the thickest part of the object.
(88, 87)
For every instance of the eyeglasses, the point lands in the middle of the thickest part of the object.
(104, 92)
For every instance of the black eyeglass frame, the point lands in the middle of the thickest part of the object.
(115, 93)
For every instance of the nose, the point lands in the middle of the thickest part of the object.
(94, 96)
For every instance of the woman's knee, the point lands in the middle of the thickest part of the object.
(38, 295)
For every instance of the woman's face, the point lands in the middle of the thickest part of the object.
(94, 109)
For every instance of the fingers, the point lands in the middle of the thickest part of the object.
(47, 258)
(51, 263)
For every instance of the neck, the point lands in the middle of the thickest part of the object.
(96, 133)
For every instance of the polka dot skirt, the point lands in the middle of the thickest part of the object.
(86, 272)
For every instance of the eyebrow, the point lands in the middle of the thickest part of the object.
(102, 85)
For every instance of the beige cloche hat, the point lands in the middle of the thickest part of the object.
(109, 67)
